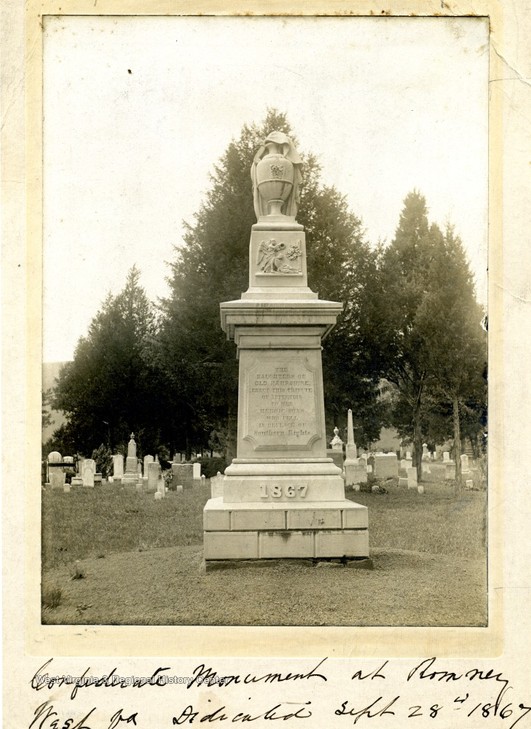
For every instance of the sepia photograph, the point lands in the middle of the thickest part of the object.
(264, 317)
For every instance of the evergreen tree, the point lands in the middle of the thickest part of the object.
(433, 347)
(451, 320)
(405, 269)
(110, 387)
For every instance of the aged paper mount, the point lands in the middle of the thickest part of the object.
(503, 646)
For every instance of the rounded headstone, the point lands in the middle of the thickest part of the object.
(54, 457)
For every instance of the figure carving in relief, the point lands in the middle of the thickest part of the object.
(274, 257)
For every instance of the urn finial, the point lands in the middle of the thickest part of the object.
(276, 177)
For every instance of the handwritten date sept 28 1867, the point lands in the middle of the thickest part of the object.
(480, 694)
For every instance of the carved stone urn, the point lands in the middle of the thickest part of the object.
(274, 178)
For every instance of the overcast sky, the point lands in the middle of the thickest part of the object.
(138, 110)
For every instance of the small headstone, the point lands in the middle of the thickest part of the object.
(57, 477)
(425, 452)
(182, 473)
(66, 488)
(385, 465)
(179, 488)
(158, 496)
(196, 471)
(89, 469)
(411, 478)
(117, 465)
(98, 478)
(446, 457)
(153, 476)
(464, 463)
(420, 489)
(76, 481)
(55, 457)
(147, 459)
(408, 455)
(469, 484)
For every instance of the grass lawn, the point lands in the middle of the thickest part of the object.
(139, 562)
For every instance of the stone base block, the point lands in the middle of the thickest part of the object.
(220, 516)
(286, 488)
(353, 543)
(279, 530)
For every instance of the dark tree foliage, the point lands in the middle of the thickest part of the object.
(212, 266)
(457, 355)
(433, 346)
(111, 388)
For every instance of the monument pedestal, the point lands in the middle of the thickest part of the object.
(282, 496)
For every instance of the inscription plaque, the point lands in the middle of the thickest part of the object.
(281, 409)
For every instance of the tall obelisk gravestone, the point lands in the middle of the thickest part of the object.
(282, 496)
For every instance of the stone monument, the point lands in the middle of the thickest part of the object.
(130, 476)
(282, 496)
(355, 472)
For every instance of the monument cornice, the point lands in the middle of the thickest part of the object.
(256, 313)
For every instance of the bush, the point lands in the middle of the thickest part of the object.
(103, 458)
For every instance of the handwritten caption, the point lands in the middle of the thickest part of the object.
(430, 694)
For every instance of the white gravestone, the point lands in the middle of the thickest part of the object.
(56, 474)
(196, 471)
(385, 465)
(131, 464)
(117, 465)
(153, 476)
(89, 469)
(57, 478)
(147, 460)
(355, 470)
(412, 478)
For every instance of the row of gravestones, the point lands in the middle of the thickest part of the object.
(57, 468)
(183, 475)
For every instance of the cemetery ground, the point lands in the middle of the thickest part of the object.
(111, 555)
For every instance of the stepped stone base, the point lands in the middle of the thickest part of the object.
(257, 530)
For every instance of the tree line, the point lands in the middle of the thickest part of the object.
(410, 328)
